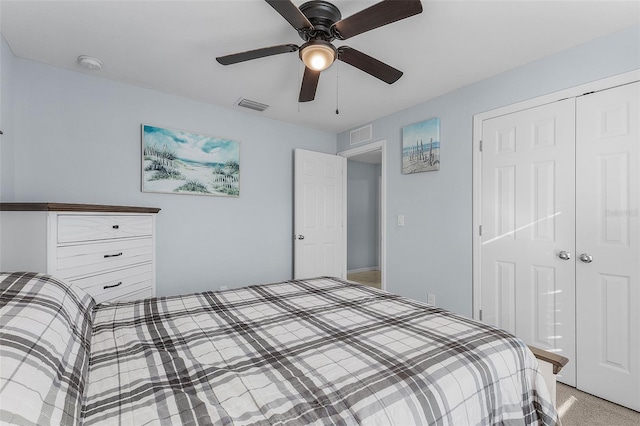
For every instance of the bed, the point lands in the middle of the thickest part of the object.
(317, 351)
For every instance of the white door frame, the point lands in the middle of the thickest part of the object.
(603, 84)
(375, 146)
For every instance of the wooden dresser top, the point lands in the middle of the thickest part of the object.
(66, 207)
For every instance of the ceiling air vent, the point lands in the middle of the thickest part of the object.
(360, 135)
(248, 103)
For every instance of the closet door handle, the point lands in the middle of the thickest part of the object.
(564, 255)
(586, 258)
(113, 255)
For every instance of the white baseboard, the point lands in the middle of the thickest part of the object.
(371, 268)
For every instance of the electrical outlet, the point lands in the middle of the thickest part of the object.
(431, 299)
(223, 287)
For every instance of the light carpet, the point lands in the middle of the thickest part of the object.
(578, 408)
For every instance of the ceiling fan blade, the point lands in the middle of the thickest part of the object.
(375, 16)
(291, 13)
(370, 65)
(255, 54)
(309, 85)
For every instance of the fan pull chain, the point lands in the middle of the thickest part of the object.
(299, 83)
(337, 86)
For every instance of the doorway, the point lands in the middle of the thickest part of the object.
(365, 200)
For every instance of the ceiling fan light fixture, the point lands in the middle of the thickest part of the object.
(318, 55)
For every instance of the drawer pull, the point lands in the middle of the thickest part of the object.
(116, 226)
(113, 255)
(112, 285)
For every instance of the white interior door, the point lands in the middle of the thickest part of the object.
(607, 222)
(319, 248)
(527, 219)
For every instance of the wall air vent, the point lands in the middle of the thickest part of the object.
(248, 103)
(360, 135)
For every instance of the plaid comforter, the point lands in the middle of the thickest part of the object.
(319, 351)
(45, 335)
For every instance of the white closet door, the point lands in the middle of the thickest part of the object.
(608, 230)
(528, 213)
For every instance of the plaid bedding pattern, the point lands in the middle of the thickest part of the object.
(319, 351)
(45, 330)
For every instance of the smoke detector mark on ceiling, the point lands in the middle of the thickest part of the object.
(89, 62)
(248, 103)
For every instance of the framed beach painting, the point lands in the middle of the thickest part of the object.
(179, 162)
(421, 147)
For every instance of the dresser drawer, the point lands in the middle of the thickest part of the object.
(95, 258)
(78, 228)
(118, 284)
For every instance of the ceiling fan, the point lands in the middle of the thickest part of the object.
(318, 23)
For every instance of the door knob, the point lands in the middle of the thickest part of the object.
(300, 237)
(564, 255)
(586, 258)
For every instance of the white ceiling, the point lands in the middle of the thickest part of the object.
(170, 46)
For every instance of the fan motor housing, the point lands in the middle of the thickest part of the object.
(322, 16)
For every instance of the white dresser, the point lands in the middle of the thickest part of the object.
(109, 251)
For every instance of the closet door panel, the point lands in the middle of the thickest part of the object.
(608, 234)
(528, 211)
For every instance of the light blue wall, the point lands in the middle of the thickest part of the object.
(6, 120)
(432, 252)
(78, 141)
(76, 138)
(362, 215)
